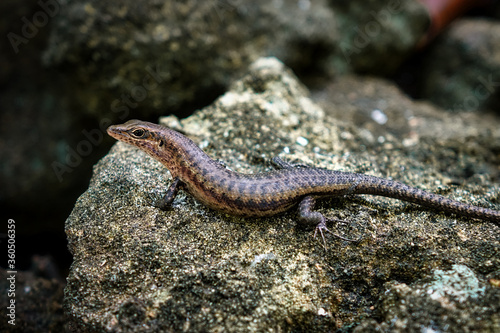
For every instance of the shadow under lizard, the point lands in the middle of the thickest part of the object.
(269, 193)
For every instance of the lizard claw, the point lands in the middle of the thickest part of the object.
(322, 227)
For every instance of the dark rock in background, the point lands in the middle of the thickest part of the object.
(164, 56)
(38, 301)
(377, 36)
(462, 69)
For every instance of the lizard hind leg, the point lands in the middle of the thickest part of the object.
(308, 216)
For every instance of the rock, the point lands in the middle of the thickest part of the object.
(137, 268)
(177, 54)
(37, 305)
(380, 107)
(462, 69)
(377, 36)
(452, 300)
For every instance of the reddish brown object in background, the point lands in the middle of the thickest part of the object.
(442, 12)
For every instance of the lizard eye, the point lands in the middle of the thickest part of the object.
(139, 133)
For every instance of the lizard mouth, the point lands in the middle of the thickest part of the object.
(115, 132)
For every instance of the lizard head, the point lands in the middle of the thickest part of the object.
(162, 143)
(137, 133)
(152, 138)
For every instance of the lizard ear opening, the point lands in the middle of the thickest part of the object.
(161, 143)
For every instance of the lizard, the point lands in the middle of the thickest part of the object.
(273, 192)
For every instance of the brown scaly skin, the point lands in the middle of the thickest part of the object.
(269, 193)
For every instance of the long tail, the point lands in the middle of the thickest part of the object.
(389, 188)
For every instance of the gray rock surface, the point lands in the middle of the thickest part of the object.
(454, 299)
(137, 268)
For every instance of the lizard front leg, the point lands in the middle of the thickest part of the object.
(169, 197)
